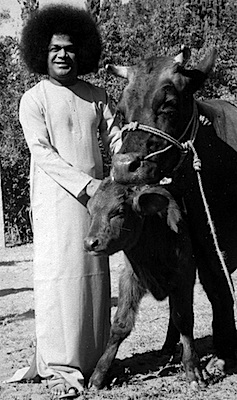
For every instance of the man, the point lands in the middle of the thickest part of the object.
(60, 117)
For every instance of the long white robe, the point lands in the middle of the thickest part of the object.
(72, 288)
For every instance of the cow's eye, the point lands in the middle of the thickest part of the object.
(170, 101)
(169, 107)
(171, 113)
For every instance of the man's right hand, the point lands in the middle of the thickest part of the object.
(92, 187)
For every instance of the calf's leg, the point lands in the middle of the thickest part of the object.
(172, 336)
(130, 293)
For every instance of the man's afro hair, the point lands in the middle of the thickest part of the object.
(60, 19)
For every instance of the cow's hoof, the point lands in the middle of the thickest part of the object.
(215, 370)
(219, 367)
(93, 386)
(95, 382)
(216, 366)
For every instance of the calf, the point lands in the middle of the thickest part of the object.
(146, 223)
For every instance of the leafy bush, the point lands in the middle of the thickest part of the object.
(14, 153)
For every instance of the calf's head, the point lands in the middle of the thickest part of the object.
(159, 94)
(117, 214)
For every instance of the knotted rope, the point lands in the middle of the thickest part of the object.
(197, 168)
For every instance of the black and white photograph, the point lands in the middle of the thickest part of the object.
(118, 193)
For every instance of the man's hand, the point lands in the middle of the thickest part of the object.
(92, 187)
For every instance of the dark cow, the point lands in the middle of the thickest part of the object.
(159, 105)
(147, 224)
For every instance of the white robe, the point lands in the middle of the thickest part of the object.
(72, 288)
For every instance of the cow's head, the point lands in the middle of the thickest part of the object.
(159, 94)
(118, 211)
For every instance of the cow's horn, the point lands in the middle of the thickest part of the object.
(183, 57)
(119, 70)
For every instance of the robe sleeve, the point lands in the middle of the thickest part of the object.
(44, 154)
(109, 128)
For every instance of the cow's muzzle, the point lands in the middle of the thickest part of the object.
(132, 168)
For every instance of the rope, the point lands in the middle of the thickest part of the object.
(197, 167)
(160, 133)
(194, 119)
(132, 126)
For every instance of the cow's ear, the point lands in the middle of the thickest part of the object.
(150, 203)
(208, 62)
(198, 75)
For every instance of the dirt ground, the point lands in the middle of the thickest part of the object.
(139, 371)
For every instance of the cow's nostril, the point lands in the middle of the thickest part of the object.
(95, 243)
(134, 165)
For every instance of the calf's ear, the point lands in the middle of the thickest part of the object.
(149, 203)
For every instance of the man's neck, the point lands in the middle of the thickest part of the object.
(62, 82)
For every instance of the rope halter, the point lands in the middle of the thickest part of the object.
(183, 147)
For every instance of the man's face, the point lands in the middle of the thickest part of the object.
(62, 64)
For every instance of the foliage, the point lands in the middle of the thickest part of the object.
(130, 32)
(144, 28)
(14, 153)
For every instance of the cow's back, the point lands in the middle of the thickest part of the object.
(223, 116)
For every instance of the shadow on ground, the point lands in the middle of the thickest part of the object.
(13, 263)
(150, 365)
(6, 292)
(17, 317)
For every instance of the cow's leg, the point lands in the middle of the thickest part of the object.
(224, 331)
(130, 294)
(172, 336)
(182, 314)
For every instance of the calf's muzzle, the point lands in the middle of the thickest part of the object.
(91, 243)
